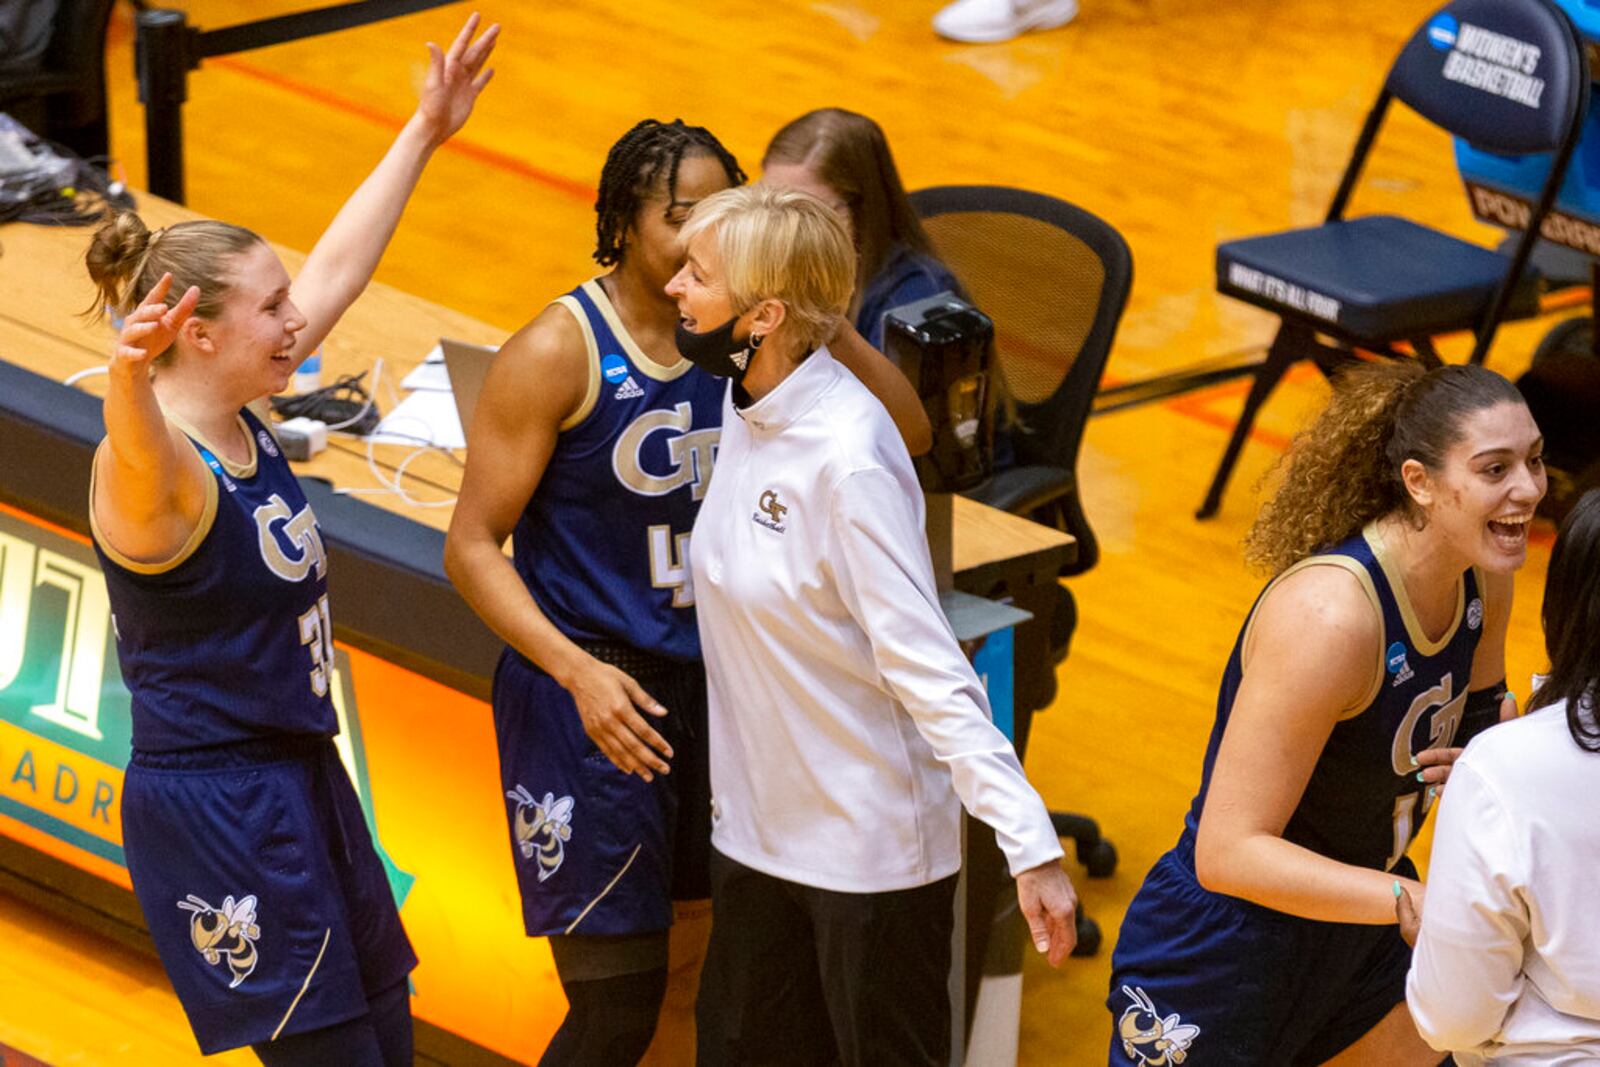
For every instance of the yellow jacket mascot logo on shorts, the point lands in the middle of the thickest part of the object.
(228, 932)
(551, 819)
(1149, 1039)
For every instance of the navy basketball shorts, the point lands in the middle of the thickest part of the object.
(597, 851)
(1200, 978)
(269, 907)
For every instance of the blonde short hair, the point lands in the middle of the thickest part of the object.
(778, 244)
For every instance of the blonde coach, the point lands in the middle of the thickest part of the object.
(845, 721)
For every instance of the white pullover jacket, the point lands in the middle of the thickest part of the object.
(844, 720)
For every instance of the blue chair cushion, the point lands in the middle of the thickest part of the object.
(1378, 278)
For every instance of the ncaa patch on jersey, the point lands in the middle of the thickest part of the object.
(1395, 661)
(614, 368)
(1442, 31)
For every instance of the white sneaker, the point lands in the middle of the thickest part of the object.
(980, 21)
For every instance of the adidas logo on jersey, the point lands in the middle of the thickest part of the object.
(628, 389)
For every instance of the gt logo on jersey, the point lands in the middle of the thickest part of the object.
(1446, 705)
(690, 453)
(769, 504)
(299, 531)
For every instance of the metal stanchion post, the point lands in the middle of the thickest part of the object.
(163, 61)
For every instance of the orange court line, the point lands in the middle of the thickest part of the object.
(28, 516)
(1197, 406)
(378, 116)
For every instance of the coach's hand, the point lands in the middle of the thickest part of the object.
(1050, 905)
(609, 701)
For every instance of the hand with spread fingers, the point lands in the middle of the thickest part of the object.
(455, 78)
(150, 329)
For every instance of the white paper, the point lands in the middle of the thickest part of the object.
(429, 374)
(427, 416)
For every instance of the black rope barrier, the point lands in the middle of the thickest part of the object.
(167, 48)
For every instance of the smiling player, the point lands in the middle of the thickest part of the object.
(1267, 934)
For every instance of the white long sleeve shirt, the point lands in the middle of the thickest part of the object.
(844, 720)
(1507, 967)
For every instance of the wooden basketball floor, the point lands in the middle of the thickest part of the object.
(1181, 123)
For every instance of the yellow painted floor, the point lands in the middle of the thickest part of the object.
(1181, 123)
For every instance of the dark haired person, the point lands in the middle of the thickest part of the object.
(1507, 967)
(591, 448)
(843, 159)
(1267, 934)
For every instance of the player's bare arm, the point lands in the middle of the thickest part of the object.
(149, 484)
(885, 382)
(537, 381)
(1312, 658)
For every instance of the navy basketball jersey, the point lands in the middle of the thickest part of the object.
(604, 543)
(1363, 803)
(229, 640)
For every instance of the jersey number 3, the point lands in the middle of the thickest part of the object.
(316, 633)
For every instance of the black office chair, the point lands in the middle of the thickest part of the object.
(1055, 280)
(1507, 76)
(59, 91)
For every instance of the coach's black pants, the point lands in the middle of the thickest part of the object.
(804, 976)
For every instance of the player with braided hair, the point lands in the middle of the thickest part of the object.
(591, 448)
(633, 167)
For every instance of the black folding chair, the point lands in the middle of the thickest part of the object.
(1055, 280)
(1507, 76)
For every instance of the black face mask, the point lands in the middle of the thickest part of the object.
(716, 351)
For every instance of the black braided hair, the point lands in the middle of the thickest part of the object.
(632, 167)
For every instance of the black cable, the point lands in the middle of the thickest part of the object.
(344, 405)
